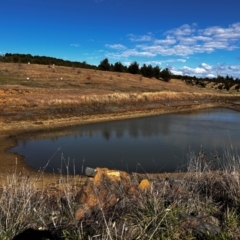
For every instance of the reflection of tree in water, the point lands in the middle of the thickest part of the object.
(24, 142)
(155, 126)
(53, 139)
(119, 132)
(106, 133)
(148, 127)
(133, 129)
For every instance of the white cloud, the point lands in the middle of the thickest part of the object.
(179, 50)
(232, 32)
(168, 41)
(164, 61)
(202, 38)
(152, 63)
(211, 31)
(180, 43)
(175, 60)
(75, 45)
(205, 66)
(184, 30)
(210, 75)
(234, 68)
(193, 71)
(143, 38)
(188, 40)
(206, 70)
(176, 72)
(129, 53)
(115, 46)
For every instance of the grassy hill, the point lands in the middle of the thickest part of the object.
(37, 96)
(85, 80)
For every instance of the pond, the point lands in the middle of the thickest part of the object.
(153, 144)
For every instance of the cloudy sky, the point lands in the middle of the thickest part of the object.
(193, 37)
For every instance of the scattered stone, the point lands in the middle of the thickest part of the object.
(133, 231)
(144, 184)
(90, 172)
(207, 218)
(177, 186)
(200, 226)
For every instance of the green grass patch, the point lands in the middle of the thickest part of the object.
(10, 80)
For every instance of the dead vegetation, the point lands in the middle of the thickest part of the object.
(201, 204)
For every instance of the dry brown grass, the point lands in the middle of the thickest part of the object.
(39, 87)
(102, 82)
(158, 213)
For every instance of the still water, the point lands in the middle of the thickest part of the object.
(151, 144)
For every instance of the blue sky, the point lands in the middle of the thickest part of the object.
(193, 37)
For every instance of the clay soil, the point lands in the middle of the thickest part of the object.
(44, 98)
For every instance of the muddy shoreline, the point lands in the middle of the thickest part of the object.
(17, 128)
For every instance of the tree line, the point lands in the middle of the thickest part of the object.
(134, 68)
(104, 65)
(218, 78)
(223, 82)
(43, 60)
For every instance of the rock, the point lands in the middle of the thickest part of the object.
(175, 191)
(144, 185)
(200, 226)
(132, 231)
(90, 172)
(30, 234)
(103, 191)
(209, 219)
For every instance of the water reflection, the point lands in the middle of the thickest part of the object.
(151, 144)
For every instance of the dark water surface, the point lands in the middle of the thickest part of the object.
(151, 144)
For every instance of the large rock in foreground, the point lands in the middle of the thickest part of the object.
(104, 190)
